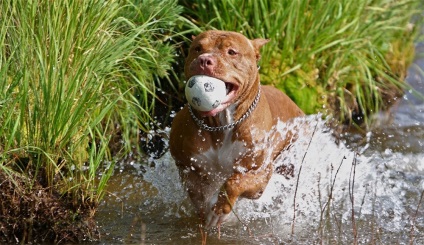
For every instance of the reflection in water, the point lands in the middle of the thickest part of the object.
(369, 188)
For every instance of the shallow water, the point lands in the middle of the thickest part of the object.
(368, 187)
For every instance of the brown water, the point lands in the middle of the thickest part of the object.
(148, 205)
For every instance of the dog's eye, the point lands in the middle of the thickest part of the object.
(232, 52)
(197, 49)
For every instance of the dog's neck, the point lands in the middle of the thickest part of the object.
(246, 100)
(227, 115)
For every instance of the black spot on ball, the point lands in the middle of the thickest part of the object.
(196, 101)
(209, 87)
(216, 104)
(191, 83)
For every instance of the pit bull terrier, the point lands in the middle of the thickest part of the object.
(227, 153)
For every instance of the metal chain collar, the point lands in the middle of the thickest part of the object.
(203, 126)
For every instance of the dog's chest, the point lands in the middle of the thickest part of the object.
(219, 160)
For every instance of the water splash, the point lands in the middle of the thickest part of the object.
(334, 189)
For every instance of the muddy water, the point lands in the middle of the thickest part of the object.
(368, 188)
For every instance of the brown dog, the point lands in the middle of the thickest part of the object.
(228, 152)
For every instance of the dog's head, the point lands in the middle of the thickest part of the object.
(228, 56)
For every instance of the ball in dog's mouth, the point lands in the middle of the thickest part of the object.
(209, 95)
(205, 93)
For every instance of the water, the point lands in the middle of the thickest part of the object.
(367, 187)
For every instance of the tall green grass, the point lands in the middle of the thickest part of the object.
(345, 58)
(72, 74)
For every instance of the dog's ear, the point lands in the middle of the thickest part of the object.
(193, 37)
(257, 44)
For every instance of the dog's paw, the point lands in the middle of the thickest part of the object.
(215, 218)
(218, 214)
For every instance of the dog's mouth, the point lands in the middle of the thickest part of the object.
(229, 87)
(231, 92)
(229, 98)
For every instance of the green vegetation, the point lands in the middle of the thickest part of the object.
(343, 58)
(72, 74)
(78, 82)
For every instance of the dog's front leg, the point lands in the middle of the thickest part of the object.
(197, 185)
(250, 184)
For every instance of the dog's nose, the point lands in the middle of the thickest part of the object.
(206, 61)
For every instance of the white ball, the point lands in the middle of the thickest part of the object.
(205, 93)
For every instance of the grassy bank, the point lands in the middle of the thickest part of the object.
(72, 75)
(344, 58)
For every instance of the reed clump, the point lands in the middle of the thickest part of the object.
(72, 74)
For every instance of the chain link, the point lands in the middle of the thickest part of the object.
(203, 126)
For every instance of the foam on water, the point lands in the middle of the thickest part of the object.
(330, 180)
